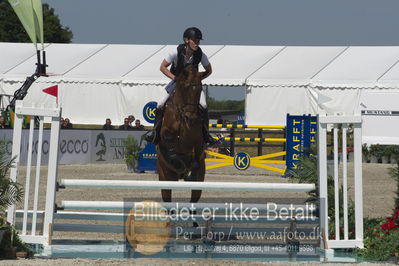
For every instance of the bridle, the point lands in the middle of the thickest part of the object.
(185, 108)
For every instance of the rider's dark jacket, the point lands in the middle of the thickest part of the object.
(181, 64)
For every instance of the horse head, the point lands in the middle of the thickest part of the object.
(188, 92)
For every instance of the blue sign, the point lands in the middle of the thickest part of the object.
(313, 129)
(241, 118)
(147, 158)
(242, 161)
(149, 112)
(300, 133)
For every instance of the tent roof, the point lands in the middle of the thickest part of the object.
(148, 72)
(233, 65)
(390, 78)
(60, 59)
(294, 66)
(113, 61)
(13, 54)
(358, 67)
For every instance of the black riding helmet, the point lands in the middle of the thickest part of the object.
(192, 33)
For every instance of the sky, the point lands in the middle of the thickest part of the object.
(233, 22)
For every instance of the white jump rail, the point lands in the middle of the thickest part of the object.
(221, 186)
(121, 216)
(54, 114)
(127, 205)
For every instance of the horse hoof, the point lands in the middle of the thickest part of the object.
(188, 178)
(194, 165)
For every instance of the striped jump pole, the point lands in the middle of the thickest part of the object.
(223, 160)
(245, 126)
(251, 139)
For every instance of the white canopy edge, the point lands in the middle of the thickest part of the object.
(233, 65)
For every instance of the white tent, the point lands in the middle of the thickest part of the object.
(98, 81)
(283, 84)
(304, 80)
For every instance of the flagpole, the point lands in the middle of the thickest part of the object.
(30, 13)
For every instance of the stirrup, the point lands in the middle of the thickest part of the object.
(210, 141)
(154, 135)
(151, 137)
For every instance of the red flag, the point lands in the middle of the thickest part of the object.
(53, 90)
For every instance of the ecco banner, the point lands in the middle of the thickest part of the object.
(76, 146)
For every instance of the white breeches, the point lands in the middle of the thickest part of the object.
(165, 95)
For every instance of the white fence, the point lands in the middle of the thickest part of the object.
(343, 122)
(324, 122)
(54, 115)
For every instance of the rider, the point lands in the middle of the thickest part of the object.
(188, 53)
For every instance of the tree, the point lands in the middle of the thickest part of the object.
(11, 29)
(225, 104)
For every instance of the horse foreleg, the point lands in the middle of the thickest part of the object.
(195, 195)
(200, 177)
(165, 193)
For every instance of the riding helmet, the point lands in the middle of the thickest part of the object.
(192, 33)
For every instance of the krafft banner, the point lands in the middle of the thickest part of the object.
(300, 132)
(76, 146)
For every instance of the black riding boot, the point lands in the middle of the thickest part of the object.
(154, 135)
(205, 128)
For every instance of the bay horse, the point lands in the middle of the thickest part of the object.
(180, 151)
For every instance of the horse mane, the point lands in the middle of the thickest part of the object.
(185, 74)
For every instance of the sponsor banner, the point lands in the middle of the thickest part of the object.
(6, 135)
(148, 158)
(242, 161)
(149, 112)
(108, 145)
(75, 146)
(380, 112)
(313, 129)
(300, 132)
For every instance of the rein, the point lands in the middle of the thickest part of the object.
(183, 109)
